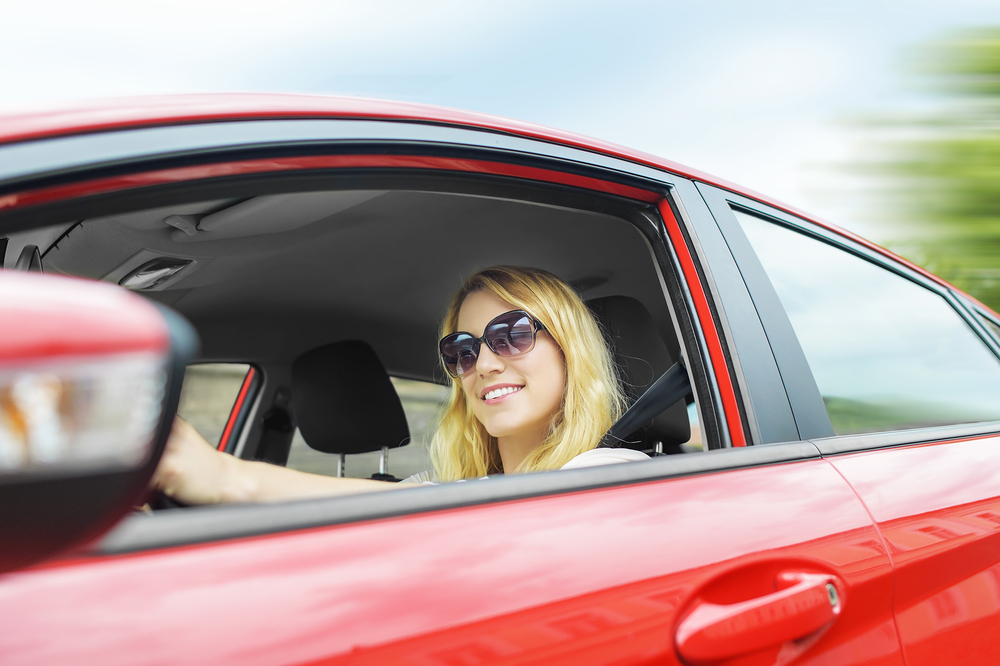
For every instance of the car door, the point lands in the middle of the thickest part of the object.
(599, 569)
(911, 382)
(759, 553)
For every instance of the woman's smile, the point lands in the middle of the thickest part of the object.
(497, 392)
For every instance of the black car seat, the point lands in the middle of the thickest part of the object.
(344, 403)
(642, 355)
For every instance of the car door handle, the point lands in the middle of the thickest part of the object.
(804, 604)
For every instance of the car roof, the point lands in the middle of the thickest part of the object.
(134, 112)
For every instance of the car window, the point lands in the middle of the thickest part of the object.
(208, 395)
(422, 401)
(886, 353)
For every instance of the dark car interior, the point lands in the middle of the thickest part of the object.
(328, 289)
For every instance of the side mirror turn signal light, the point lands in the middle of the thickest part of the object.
(80, 412)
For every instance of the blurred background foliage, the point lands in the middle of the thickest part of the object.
(942, 167)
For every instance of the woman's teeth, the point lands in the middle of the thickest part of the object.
(496, 393)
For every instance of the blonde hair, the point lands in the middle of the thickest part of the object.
(461, 448)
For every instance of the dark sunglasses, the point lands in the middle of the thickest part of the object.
(509, 334)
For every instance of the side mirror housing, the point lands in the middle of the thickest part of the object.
(90, 376)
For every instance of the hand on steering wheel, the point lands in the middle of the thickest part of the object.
(191, 470)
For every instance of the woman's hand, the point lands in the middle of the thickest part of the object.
(192, 471)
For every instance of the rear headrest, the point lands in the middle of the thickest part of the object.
(344, 402)
(642, 356)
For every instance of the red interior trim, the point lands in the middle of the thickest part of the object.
(237, 406)
(181, 174)
(732, 412)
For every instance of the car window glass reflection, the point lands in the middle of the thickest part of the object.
(887, 354)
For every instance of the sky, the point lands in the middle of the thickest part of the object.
(763, 93)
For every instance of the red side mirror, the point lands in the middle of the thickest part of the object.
(90, 375)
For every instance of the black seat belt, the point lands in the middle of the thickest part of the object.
(672, 386)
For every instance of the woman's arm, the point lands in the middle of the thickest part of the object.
(193, 472)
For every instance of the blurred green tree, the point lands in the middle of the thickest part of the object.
(944, 169)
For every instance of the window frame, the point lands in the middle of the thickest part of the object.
(62, 187)
(976, 315)
(113, 164)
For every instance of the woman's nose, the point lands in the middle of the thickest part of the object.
(487, 361)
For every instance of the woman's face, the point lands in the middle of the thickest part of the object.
(538, 378)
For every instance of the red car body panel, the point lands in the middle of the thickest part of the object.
(937, 508)
(589, 577)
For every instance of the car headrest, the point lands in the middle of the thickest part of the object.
(642, 356)
(344, 402)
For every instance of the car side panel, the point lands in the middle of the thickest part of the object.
(599, 576)
(938, 508)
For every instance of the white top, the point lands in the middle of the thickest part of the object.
(592, 458)
(596, 457)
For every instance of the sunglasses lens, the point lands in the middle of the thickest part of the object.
(458, 351)
(511, 334)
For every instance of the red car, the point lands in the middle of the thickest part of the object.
(823, 487)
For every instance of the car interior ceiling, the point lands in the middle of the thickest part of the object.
(274, 276)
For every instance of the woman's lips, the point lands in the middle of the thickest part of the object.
(494, 394)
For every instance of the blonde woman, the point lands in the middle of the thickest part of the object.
(534, 388)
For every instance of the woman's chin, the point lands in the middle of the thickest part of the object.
(502, 428)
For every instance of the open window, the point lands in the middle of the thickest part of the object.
(270, 268)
